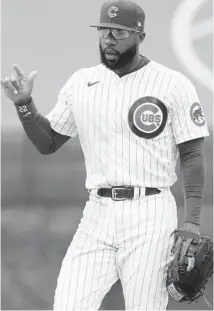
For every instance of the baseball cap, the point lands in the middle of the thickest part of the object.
(121, 14)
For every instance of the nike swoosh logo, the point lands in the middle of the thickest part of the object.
(92, 83)
(26, 114)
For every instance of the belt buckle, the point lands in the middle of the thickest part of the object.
(115, 195)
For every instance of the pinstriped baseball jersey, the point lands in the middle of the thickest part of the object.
(129, 126)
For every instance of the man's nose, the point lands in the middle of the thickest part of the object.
(110, 40)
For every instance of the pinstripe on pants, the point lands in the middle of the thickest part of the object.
(129, 240)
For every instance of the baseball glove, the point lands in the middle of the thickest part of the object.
(191, 266)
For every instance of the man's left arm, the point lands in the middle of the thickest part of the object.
(189, 128)
(191, 250)
(192, 159)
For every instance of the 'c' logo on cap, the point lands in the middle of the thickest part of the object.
(112, 11)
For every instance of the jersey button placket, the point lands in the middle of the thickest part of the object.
(115, 142)
(119, 139)
(112, 102)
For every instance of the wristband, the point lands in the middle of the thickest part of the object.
(26, 111)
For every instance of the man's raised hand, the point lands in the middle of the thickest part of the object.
(17, 87)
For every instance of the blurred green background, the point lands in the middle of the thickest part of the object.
(42, 202)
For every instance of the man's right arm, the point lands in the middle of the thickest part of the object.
(18, 89)
(38, 128)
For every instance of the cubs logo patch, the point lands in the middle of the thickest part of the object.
(147, 117)
(197, 115)
(112, 11)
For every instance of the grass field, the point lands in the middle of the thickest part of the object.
(34, 241)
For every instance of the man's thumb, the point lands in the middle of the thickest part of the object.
(191, 263)
(32, 76)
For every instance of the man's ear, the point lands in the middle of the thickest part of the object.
(142, 37)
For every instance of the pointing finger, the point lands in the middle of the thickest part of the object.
(18, 71)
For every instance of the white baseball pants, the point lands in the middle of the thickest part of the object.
(129, 240)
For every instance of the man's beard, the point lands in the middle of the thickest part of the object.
(124, 58)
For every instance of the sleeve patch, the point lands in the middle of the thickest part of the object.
(197, 115)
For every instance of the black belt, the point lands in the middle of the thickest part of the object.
(121, 193)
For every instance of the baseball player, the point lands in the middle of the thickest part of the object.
(133, 117)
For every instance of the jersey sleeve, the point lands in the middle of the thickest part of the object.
(187, 116)
(61, 117)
